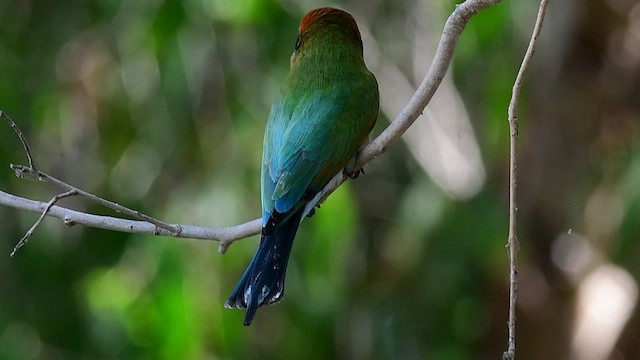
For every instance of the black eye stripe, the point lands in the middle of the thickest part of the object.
(298, 42)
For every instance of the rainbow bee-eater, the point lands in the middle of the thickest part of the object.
(321, 117)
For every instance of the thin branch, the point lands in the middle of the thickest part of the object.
(21, 136)
(22, 171)
(227, 235)
(512, 241)
(72, 217)
(31, 172)
(47, 208)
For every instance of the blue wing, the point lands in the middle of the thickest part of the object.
(301, 136)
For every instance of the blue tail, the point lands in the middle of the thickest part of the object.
(263, 281)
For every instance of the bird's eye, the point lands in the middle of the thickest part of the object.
(298, 42)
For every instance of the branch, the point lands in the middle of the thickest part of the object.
(512, 241)
(23, 139)
(47, 208)
(227, 235)
(73, 217)
(31, 172)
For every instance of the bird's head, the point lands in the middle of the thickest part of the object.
(327, 26)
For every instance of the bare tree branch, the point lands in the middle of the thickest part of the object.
(24, 171)
(47, 208)
(23, 139)
(227, 235)
(73, 217)
(512, 241)
(31, 172)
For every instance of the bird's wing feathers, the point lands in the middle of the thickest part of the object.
(305, 136)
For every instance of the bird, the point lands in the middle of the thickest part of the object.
(321, 117)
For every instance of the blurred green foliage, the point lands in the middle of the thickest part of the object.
(161, 105)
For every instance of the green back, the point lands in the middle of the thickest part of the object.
(322, 116)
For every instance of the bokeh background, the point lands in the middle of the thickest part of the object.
(160, 105)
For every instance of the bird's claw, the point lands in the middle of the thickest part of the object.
(355, 173)
(313, 210)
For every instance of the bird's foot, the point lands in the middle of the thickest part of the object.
(313, 211)
(355, 173)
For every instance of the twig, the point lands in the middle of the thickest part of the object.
(31, 172)
(22, 171)
(21, 136)
(47, 208)
(72, 217)
(226, 235)
(512, 241)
